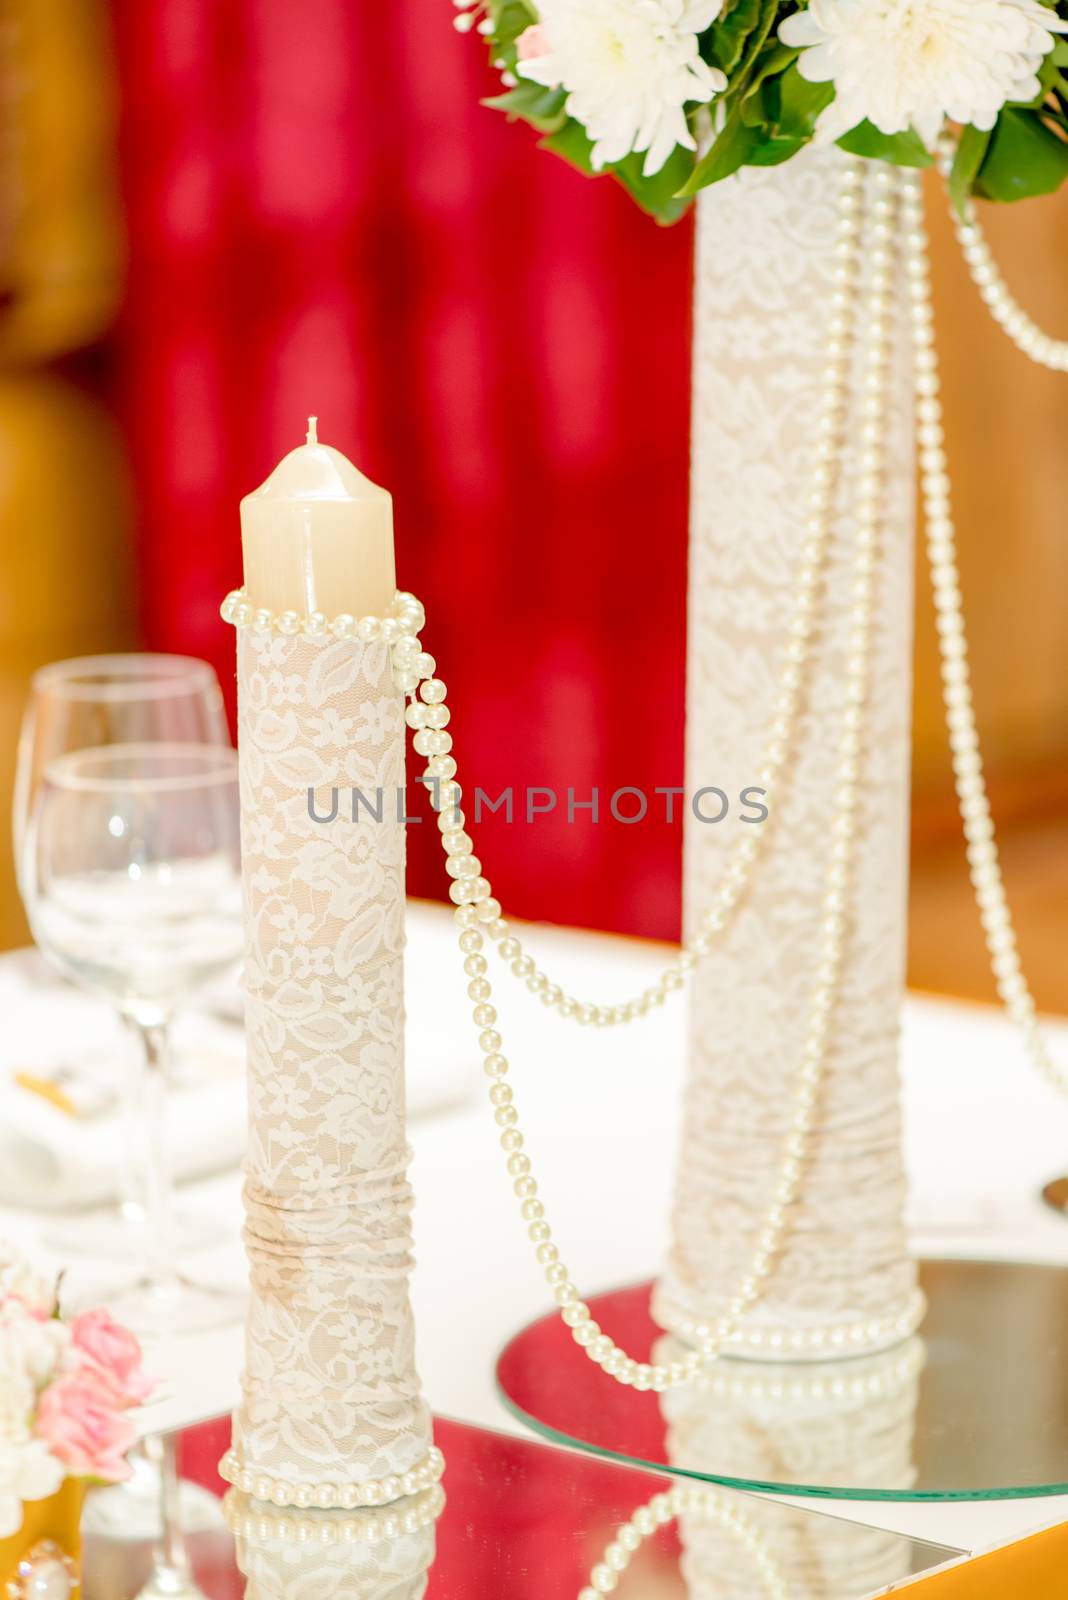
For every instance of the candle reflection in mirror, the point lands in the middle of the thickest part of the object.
(383, 1553)
(845, 1423)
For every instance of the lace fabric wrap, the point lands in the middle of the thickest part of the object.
(765, 258)
(766, 1424)
(329, 1390)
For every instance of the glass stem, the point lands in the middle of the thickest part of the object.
(132, 1180)
(172, 1552)
(160, 1243)
(172, 1577)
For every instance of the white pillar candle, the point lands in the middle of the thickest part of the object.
(331, 1410)
(318, 536)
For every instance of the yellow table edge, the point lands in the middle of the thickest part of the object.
(1035, 1568)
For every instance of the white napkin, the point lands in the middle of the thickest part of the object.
(52, 1161)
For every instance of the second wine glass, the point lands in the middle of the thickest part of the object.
(89, 702)
(133, 888)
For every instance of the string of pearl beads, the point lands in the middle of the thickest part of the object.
(972, 798)
(864, 1336)
(332, 1496)
(859, 1378)
(685, 1500)
(247, 1520)
(479, 914)
(985, 273)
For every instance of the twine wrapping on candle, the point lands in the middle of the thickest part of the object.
(330, 1395)
(765, 280)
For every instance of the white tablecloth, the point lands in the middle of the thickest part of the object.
(600, 1111)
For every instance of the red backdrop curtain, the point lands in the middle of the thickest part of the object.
(322, 218)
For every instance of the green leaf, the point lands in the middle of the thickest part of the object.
(758, 38)
(510, 18)
(728, 36)
(1024, 158)
(903, 149)
(799, 104)
(731, 150)
(773, 152)
(971, 150)
(770, 120)
(657, 195)
(544, 108)
(774, 59)
(571, 143)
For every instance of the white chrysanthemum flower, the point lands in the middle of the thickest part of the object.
(913, 63)
(629, 68)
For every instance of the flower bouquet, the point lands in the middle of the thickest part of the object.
(65, 1390)
(670, 96)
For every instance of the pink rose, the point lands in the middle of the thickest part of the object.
(100, 1345)
(532, 43)
(79, 1420)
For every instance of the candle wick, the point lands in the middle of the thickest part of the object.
(313, 435)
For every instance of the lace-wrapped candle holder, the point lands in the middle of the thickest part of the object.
(331, 1412)
(850, 1423)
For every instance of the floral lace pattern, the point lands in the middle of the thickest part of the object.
(330, 1391)
(764, 277)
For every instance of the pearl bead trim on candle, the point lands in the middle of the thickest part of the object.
(406, 617)
(870, 1384)
(332, 1496)
(246, 1520)
(846, 1338)
(1006, 311)
(684, 1500)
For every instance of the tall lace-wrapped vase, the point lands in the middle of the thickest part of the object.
(331, 1413)
(844, 1280)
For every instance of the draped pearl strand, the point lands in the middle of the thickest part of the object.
(1006, 311)
(983, 861)
(478, 912)
(684, 1500)
(462, 865)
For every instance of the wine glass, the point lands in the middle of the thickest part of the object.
(89, 701)
(131, 868)
(85, 703)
